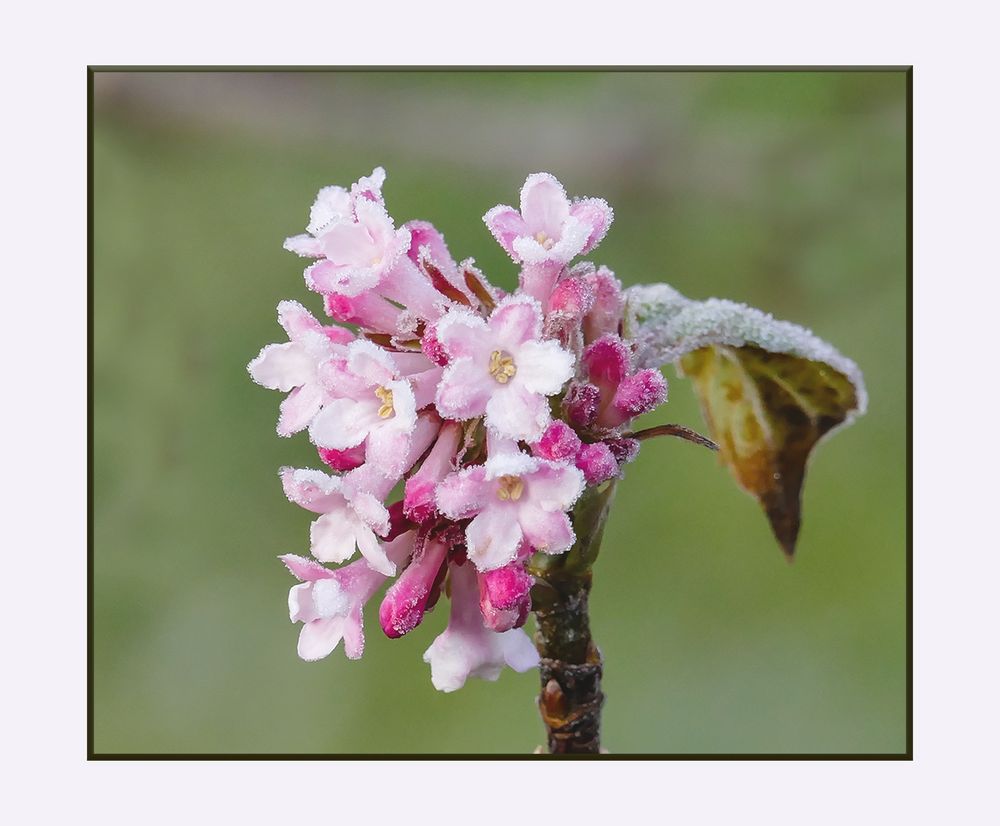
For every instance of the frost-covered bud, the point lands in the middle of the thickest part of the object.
(580, 403)
(598, 463)
(573, 297)
(605, 316)
(558, 442)
(637, 394)
(505, 596)
(624, 450)
(404, 604)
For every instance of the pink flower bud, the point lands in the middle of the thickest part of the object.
(608, 362)
(580, 403)
(505, 597)
(624, 450)
(343, 460)
(558, 442)
(609, 304)
(597, 462)
(572, 296)
(640, 393)
(405, 602)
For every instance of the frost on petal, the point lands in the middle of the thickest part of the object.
(344, 423)
(299, 408)
(548, 532)
(332, 535)
(332, 203)
(460, 334)
(516, 413)
(303, 245)
(596, 215)
(371, 363)
(282, 367)
(515, 321)
(465, 390)
(506, 224)
(555, 486)
(493, 537)
(544, 367)
(319, 638)
(311, 489)
(462, 494)
(544, 205)
(305, 570)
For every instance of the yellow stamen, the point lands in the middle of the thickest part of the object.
(544, 240)
(510, 488)
(384, 395)
(502, 366)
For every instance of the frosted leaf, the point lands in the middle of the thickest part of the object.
(769, 390)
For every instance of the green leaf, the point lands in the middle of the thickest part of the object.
(769, 390)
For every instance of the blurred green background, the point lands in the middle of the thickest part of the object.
(784, 190)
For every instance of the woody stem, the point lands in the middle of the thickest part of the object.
(571, 668)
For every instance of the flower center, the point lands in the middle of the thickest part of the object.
(502, 366)
(510, 488)
(544, 240)
(384, 395)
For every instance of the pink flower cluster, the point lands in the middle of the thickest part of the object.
(494, 411)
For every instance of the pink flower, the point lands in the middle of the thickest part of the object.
(513, 497)
(374, 404)
(549, 227)
(354, 237)
(293, 367)
(467, 648)
(329, 603)
(352, 515)
(501, 368)
(505, 596)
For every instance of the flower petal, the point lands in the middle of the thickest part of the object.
(516, 413)
(318, 638)
(596, 215)
(493, 537)
(506, 224)
(555, 486)
(299, 408)
(461, 334)
(544, 367)
(551, 533)
(462, 494)
(516, 320)
(282, 367)
(344, 423)
(464, 390)
(544, 205)
(332, 536)
(332, 203)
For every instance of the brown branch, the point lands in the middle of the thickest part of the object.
(674, 430)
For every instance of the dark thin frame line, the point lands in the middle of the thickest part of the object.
(907, 755)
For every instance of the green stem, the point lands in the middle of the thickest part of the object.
(571, 668)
